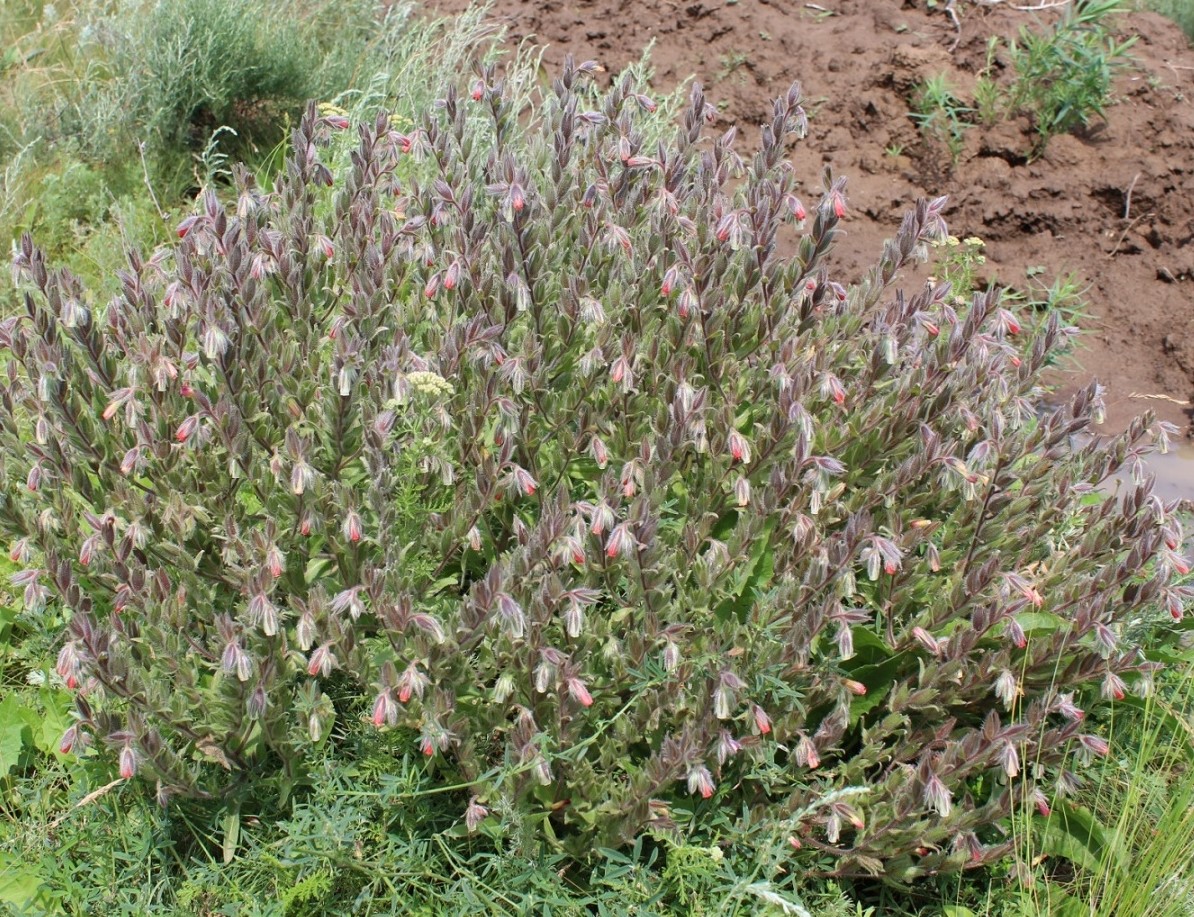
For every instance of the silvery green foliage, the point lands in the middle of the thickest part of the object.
(545, 446)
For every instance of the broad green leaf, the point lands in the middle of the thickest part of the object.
(56, 719)
(1040, 622)
(20, 885)
(14, 733)
(231, 834)
(1074, 833)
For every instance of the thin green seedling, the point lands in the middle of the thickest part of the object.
(941, 115)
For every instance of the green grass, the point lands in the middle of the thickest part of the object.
(1130, 831)
(1180, 11)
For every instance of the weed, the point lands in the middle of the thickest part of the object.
(1064, 75)
(941, 115)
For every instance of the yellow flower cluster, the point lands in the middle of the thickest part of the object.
(430, 384)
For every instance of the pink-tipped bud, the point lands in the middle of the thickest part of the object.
(186, 226)
(432, 286)
(700, 781)
(839, 204)
(579, 692)
(856, 688)
(69, 738)
(927, 640)
(385, 711)
(739, 447)
(1042, 803)
(670, 280)
(762, 720)
(478, 91)
(187, 428)
(274, 561)
(353, 527)
(128, 762)
(336, 122)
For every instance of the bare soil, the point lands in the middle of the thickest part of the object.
(1114, 205)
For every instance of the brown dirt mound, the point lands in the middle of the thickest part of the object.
(1114, 206)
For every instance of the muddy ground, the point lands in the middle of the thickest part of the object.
(1114, 205)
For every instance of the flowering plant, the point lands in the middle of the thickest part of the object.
(524, 435)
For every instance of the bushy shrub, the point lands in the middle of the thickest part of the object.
(528, 442)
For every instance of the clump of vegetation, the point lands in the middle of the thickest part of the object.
(941, 115)
(1064, 75)
(513, 434)
(1180, 11)
(1062, 80)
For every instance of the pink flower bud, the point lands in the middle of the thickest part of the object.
(927, 640)
(353, 528)
(186, 428)
(128, 762)
(337, 122)
(579, 692)
(670, 279)
(855, 687)
(739, 447)
(598, 451)
(322, 661)
(700, 781)
(838, 202)
(432, 286)
(1041, 802)
(478, 91)
(762, 720)
(384, 709)
(474, 815)
(186, 226)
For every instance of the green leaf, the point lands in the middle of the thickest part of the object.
(1072, 832)
(1037, 623)
(14, 733)
(20, 884)
(956, 910)
(231, 834)
(7, 616)
(56, 719)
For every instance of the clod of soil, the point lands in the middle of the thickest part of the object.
(1115, 206)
